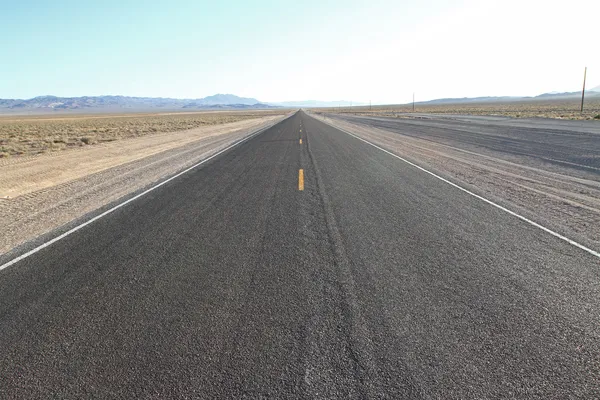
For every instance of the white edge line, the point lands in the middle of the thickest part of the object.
(105, 213)
(558, 235)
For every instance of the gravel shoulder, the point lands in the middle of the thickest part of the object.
(48, 191)
(505, 162)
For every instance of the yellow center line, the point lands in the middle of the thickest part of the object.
(301, 179)
(300, 140)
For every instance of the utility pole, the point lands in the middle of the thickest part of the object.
(583, 91)
(370, 108)
(413, 101)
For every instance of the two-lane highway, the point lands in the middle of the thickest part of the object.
(303, 263)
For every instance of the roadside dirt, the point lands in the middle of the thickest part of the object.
(50, 190)
(23, 135)
(563, 200)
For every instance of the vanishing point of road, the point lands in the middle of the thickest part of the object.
(303, 263)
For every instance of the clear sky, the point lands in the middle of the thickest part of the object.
(379, 50)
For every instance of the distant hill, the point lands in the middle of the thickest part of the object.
(556, 95)
(595, 92)
(470, 100)
(228, 99)
(590, 93)
(53, 103)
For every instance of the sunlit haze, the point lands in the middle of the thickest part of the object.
(359, 51)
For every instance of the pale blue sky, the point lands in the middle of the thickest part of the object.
(380, 50)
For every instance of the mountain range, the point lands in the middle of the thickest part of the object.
(589, 93)
(49, 103)
(226, 101)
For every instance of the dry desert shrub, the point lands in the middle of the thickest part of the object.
(26, 135)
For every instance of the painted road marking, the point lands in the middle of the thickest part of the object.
(522, 218)
(78, 227)
(301, 179)
(300, 140)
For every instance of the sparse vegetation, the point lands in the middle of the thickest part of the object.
(560, 109)
(26, 135)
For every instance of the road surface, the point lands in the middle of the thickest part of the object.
(546, 170)
(376, 280)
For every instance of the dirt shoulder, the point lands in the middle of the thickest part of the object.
(563, 199)
(50, 190)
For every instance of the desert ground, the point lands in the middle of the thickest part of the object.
(559, 109)
(36, 134)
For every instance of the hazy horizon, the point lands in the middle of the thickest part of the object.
(284, 102)
(380, 51)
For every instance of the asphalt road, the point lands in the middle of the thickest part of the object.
(375, 281)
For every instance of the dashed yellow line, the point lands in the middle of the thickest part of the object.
(300, 140)
(301, 179)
